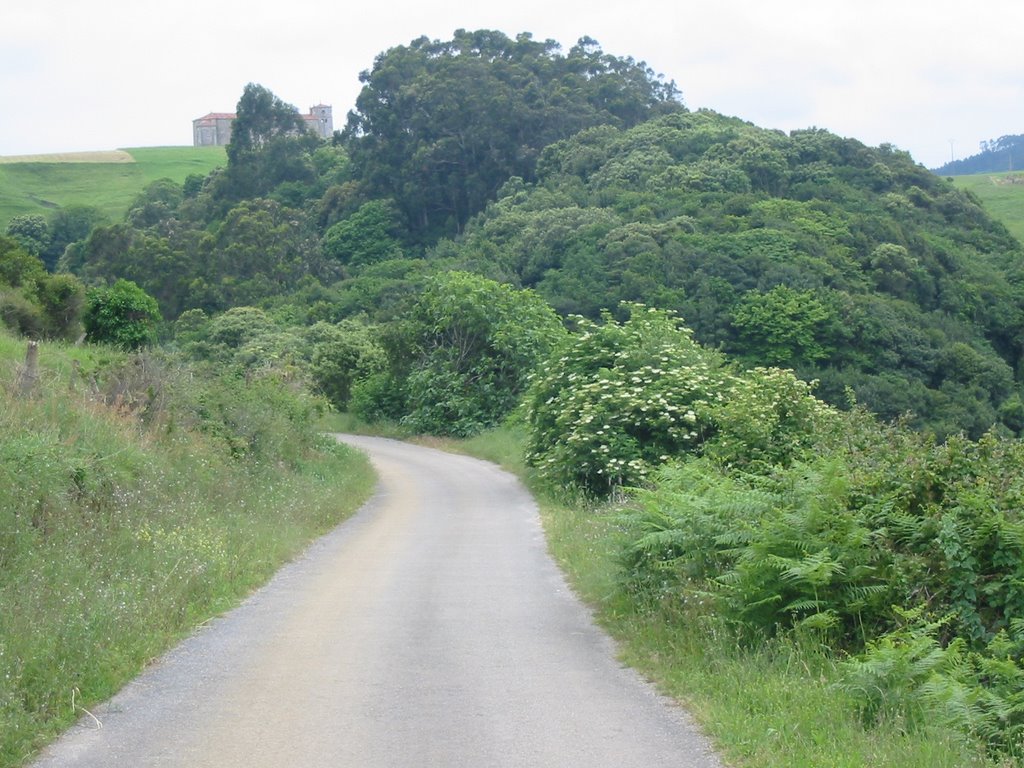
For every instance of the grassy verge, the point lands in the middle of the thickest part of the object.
(121, 531)
(772, 706)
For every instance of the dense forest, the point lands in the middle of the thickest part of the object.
(996, 156)
(802, 353)
(583, 177)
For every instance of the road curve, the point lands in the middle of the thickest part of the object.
(431, 629)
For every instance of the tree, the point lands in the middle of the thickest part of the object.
(270, 145)
(18, 267)
(342, 355)
(62, 298)
(782, 326)
(440, 126)
(70, 225)
(460, 359)
(260, 249)
(365, 237)
(31, 231)
(123, 315)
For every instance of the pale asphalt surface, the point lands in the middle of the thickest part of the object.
(431, 629)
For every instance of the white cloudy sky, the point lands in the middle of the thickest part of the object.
(934, 77)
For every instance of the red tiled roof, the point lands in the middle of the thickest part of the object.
(217, 116)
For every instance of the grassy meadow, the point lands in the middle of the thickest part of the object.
(1002, 195)
(106, 180)
(137, 500)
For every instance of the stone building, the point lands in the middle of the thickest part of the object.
(214, 129)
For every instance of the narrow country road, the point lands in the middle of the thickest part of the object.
(432, 629)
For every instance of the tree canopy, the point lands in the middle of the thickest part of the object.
(581, 176)
(440, 125)
(851, 264)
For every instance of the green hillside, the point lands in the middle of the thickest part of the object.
(56, 181)
(1002, 194)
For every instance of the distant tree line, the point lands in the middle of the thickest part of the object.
(998, 155)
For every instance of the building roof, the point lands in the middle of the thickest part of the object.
(216, 116)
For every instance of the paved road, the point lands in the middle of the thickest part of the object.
(432, 629)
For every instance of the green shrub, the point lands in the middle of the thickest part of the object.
(21, 315)
(460, 358)
(123, 315)
(62, 298)
(342, 355)
(616, 400)
(913, 676)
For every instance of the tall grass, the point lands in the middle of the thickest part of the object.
(773, 704)
(121, 531)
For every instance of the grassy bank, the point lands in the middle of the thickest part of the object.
(136, 502)
(774, 705)
(40, 187)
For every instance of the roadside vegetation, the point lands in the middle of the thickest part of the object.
(139, 497)
(819, 589)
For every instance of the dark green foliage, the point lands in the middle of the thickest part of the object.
(33, 302)
(259, 249)
(440, 125)
(31, 232)
(270, 146)
(368, 236)
(155, 204)
(851, 264)
(880, 510)
(459, 359)
(782, 327)
(123, 315)
(905, 553)
(18, 267)
(21, 315)
(70, 225)
(62, 298)
(912, 676)
(341, 356)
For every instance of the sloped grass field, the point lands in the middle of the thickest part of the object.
(1002, 195)
(109, 184)
(137, 500)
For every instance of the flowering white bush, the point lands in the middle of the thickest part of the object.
(620, 399)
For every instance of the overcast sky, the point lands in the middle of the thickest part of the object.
(933, 77)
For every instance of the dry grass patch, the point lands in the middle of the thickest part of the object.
(112, 156)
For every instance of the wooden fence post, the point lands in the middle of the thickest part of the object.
(30, 373)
